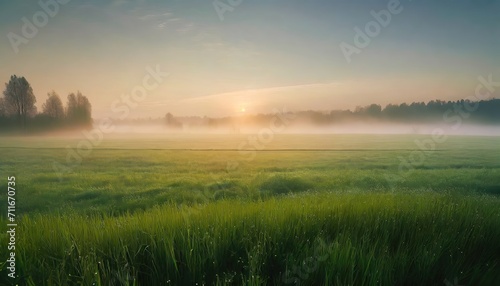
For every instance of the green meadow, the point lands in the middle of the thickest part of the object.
(303, 210)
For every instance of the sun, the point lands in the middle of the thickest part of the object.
(243, 109)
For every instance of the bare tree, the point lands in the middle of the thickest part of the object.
(53, 106)
(19, 98)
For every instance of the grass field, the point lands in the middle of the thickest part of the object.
(306, 209)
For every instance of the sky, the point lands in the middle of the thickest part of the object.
(230, 57)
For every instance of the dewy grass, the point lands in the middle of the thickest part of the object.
(153, 216)
(319, 239)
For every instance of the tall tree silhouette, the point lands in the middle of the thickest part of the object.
(79, 110)
(53, 106)
(19, 99)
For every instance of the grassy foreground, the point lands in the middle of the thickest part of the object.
(134, 175)
(315, 239)
(308, 210)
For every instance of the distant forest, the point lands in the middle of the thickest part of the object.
(18, 113)
(486, 112)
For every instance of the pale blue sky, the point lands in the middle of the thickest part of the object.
(263, 55)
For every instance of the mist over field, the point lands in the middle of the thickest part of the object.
(305, 128)
(249, 142)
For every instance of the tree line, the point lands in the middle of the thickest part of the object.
(18, 112)
(485, 112)
(436, 111)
